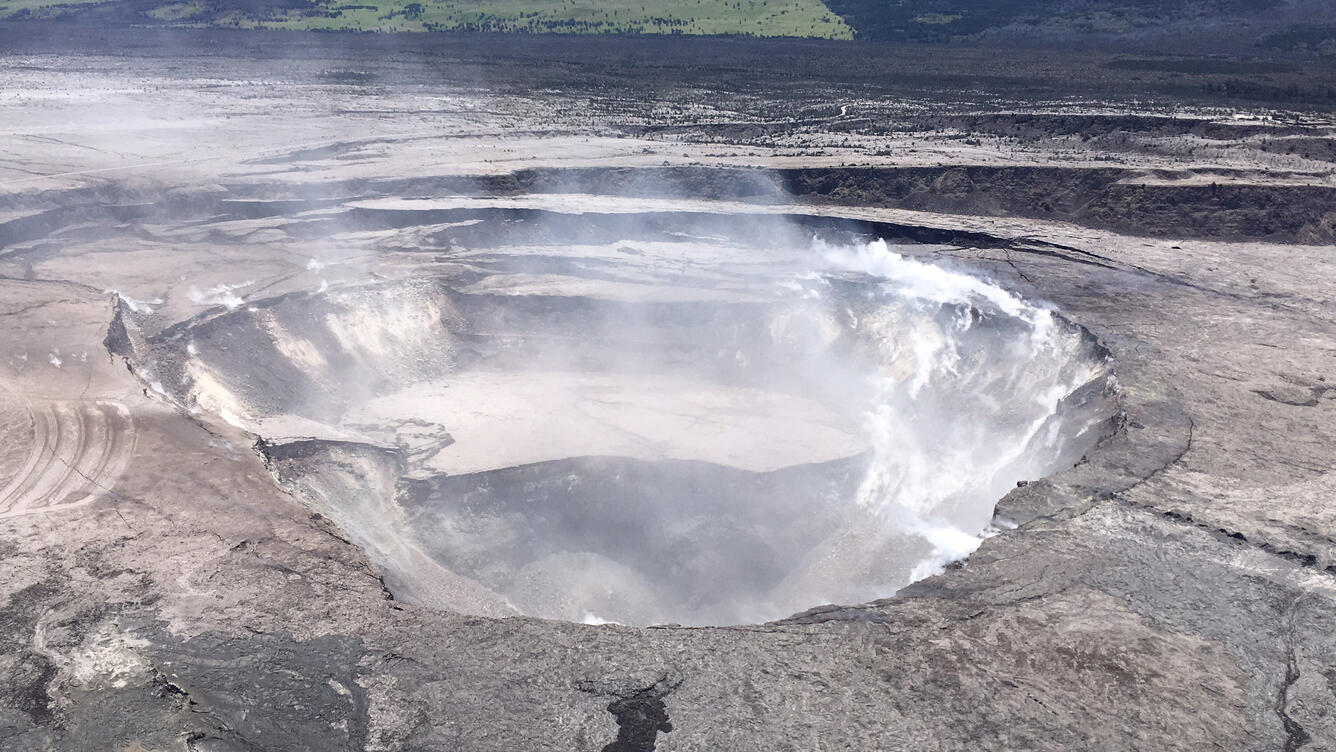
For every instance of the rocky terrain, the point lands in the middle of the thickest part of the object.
(172, 581)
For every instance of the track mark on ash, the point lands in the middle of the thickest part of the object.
(80, 449)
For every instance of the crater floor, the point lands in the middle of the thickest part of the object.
(167, 584)
(507, 419)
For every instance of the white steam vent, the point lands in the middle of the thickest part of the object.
(974, 389)
(680, 431)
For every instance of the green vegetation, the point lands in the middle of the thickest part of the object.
(796, 18)
(177, 11)
(42, 8)
(765, 18)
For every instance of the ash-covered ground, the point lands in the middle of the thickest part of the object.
(343, 378)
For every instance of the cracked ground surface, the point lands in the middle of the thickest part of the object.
(159, 591)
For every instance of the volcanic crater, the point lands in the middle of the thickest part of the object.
(641, 417)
